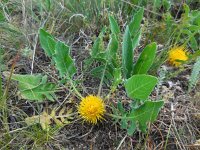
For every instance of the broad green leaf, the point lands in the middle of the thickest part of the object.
(27, 81)
(63, 60)
(48, 4)
(193, 28)
(146, 59)
(40, 93)
(132, 127)
(195, 17)
(96, 52)
(121, 112)
(2, 18)
(120, 107)
(146, 113)
(112, 49)
(98, 45)
(124, 122)
(193, 43)
(186, 9)
(136, 21)
(186, 31)
(102, 57)
(195, 74)
(117, 76)
(136, 39)
(34, 87)
(116, 112)
(127, 54)
(51, 44)
(114, 26)
(44, 41)
(140, 86)
(98, 72)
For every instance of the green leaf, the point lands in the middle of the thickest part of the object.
(34, 87)
(140, 86)
(98, 72)
(192, 40)
(195, 17)
(117, 78)
(127, 54)
(2, 18)
(156, 4)
(102, 57)
(136, 21)
(98, 44)
(146, 113)
(51, 44)
(166, 4)
(132, 127)
(186, 9)
(40, 93)
(146, 59)
(48, 4)
(27, 81)
(193, 43)
(114, 26)
(120, 107)
(136, 39)
(124, 122)
(112, 49)
(63, 60)
(195, 74)
(193, 28)
(45, 42)
(96, 47)
(1, 89)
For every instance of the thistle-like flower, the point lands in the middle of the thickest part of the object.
(177, 55)
(91, 109)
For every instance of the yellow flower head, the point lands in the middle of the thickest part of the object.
(176, 55)
(91, 109)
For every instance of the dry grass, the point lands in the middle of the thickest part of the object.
(177, 126)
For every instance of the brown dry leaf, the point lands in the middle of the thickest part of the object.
(45, 119)
(197, 143)
(196, 116)
(167, 93)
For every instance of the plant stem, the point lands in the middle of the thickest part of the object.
(102, 77)
(168, 136)
(75, 90)
(4, 98)
(115, 116)
(121, 142)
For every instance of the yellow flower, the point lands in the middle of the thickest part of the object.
(91, 109)
(176, 55)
